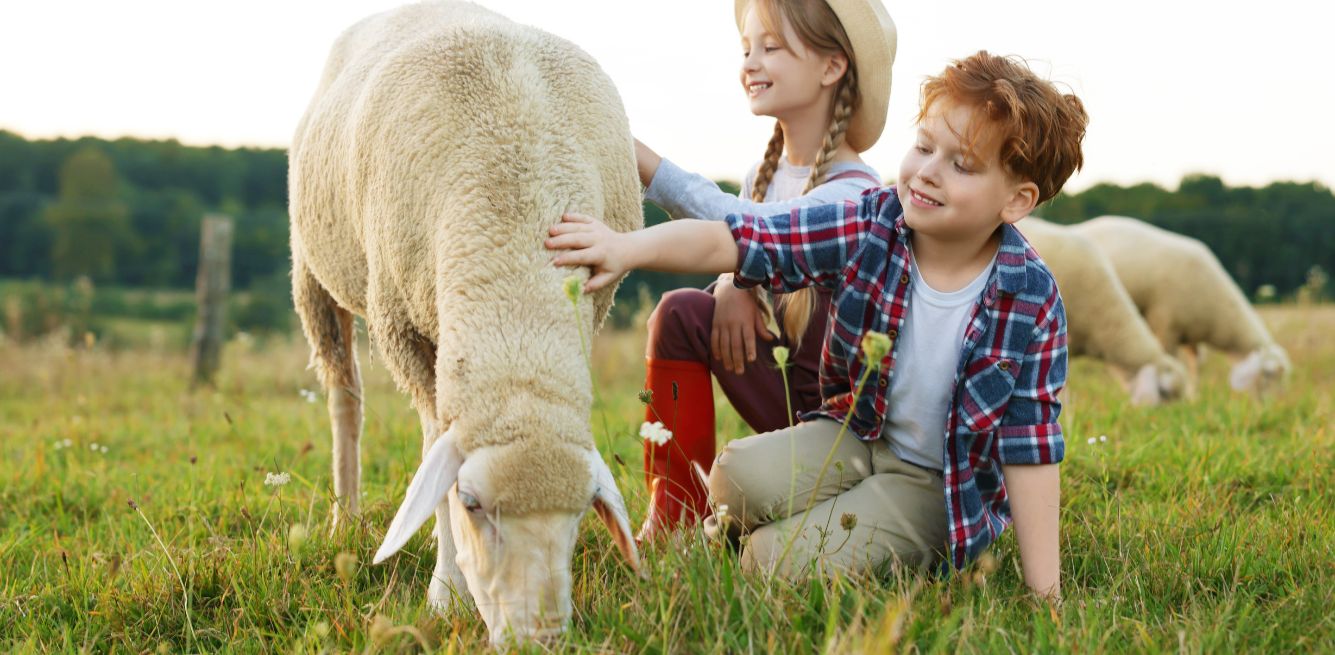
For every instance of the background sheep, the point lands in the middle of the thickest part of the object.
(442, 143)
(1102, 321)
(1188, 298)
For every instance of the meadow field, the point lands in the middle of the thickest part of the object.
(138, 515)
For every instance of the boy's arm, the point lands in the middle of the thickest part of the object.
(1035, 495)
(1029, 445)
(685, 246)
(784, 252)
(805, 246)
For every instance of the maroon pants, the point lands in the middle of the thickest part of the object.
(679, 329)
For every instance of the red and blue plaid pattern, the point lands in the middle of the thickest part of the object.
(1012, 362)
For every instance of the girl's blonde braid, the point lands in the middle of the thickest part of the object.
(797, 306)
(765, 174)
(759, 187)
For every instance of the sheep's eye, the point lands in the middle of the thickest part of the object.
(470, 502)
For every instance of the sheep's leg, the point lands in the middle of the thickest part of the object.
(1190, 356)
(332, 335)
(448, 587)
(411, 358)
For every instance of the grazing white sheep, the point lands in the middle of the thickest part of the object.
(442, 143)
(1102, 321)
(1188, 298)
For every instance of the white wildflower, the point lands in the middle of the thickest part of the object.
(277, 479)
(67, 442)
(93, 446)
(309, 396)
(655, 432)
(1103, 437)
(104, 450)
(1092, 440)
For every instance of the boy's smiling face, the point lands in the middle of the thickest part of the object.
(953, 192)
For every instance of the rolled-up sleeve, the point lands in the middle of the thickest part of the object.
(804, 247)
(1029, 432)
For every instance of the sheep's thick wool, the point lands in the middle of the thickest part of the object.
(435, 156)
(1102, 320)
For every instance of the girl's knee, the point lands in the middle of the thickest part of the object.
(679, 326)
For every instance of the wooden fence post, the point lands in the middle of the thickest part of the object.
(211, 287)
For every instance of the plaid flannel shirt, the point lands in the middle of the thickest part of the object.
(1012, 361)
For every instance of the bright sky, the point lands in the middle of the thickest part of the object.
(1240, 90)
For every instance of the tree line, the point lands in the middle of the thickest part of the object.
(127, 213)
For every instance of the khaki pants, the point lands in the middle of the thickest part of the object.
(870, 512)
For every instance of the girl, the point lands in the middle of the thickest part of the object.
(821, 68)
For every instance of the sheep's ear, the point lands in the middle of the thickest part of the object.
(611, 508)
(438, 472)
(1145, 386)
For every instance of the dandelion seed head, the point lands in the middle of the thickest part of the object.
(875, 346)
(571, 286)
(345, 564)
(848, 521)
(296, 537)
(1103, 437)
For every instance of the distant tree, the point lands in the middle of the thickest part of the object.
(89, 220)
(25, 239)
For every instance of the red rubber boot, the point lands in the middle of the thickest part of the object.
(683, 400)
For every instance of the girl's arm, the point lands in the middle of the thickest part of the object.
(1035, 497)
(646, 162)
(684, 194)
(685, 246)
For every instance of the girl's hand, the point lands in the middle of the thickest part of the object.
(588, 242)
(737, 321)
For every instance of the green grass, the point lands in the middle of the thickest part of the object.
(1207, 526)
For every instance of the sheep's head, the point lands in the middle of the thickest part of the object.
(1260, 371)
(515, 510)
(1157, 383)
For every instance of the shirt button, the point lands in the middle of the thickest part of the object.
(884, 382)
(904, 279)
(1004, 365)
(893, 334)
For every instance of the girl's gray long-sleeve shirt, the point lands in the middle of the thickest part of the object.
(687, 195)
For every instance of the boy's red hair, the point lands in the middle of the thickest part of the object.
(1039, 129)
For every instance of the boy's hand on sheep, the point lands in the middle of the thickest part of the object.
(588, 242)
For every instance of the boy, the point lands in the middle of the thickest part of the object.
(963, 408)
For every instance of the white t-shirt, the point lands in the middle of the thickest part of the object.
(926, 357)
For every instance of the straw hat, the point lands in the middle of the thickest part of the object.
(872, 35)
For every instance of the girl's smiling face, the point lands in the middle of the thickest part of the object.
(784, 81)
